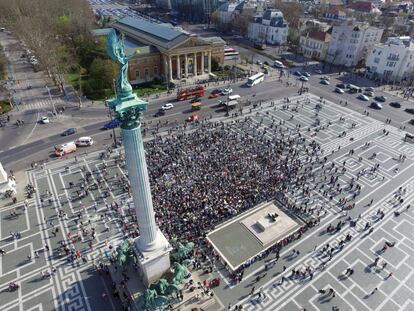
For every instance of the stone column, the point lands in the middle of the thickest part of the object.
(141, 191)
(209, 61)
(170, 68)
(178, 67)
(165, 60)
(202, 63)
(186, 66)
(195, 65)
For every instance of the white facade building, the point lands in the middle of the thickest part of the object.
(270, 28)
(350, 44)
(392, 60)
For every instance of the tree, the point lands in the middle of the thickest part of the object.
(102, 73)
(215, 66)
(242, 21)
(292, 11)
(215, 18)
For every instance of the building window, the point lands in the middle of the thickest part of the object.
(146, 73)
(376, 60)
(155, 71)
(137, 74)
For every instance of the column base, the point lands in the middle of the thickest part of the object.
(153, 263)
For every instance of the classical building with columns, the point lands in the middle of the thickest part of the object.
(165, 52)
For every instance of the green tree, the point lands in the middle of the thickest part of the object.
(215, 66)
(102, 73)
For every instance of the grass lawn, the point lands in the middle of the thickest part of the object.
(73, 79)
(149, 88)
(4, 107)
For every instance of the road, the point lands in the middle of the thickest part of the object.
(268, 90)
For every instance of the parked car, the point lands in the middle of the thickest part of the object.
(369, 89)
(409, 110)
(369, 94)
(44, 120)
(395, 104)
(324, 82)
(111, 124)
(306, 74)
(227, 91)
(259, 62)
(159, 113)
(303, 78)
(297, 73)
(341, 86)
(318, 71)
(339, 90)
(375, 105)
(380, 98)
(411, 122)
(363, 97)
(167, 106)
(69, 131)
(213, 95)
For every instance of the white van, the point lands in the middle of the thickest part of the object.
(84, 141)
(278, 64)
(65, 149)
(234, 97)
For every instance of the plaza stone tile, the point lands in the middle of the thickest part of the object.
(389, 305)
(409, 306)
(12, 223)
(365, 277)
(16, 259)
(6, 296)
(33, 283)
(325, 303)
(406, 229)
(43, 301)
(355, 302)
(403, 294)
(371, 301)
(394, 256)
(402, 272)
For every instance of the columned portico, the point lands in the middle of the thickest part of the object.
(186, 66)
(209, 62)
(195, 65)
(170, 68)
(202, 63)
(178, 67)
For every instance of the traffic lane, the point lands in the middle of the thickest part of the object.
(398, 116)
(180, 112)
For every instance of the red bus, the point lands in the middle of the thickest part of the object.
(197, 91)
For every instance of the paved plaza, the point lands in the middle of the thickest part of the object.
(79, 286)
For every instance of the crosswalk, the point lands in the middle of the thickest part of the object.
(41, 104)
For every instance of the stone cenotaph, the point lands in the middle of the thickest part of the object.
(151, 247)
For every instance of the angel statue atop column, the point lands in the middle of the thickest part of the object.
(116, 50)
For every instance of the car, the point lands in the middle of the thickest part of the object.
(325, 78)
(318, 71)
(375, 105)
(411, 122)
(167, 106)
(409, 110)
(44, 120)
(341, 86)
(363, 97)
(213, 95)
(369, 94)
(192, 118)
(380, 98)
(306, 74)
(324, 82)
(227, 91)
(278, 64)
(297, 73)
(303, 78)
(395, 104)
(195, 100)
(259, 62)
(159, 113)
(69, 131)
(266, 63)
(111, 124)
(369, 89)
(339, 90)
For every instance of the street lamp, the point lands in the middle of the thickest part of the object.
(111, 118)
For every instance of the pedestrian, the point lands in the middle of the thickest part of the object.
(252, 291)
(373, 291)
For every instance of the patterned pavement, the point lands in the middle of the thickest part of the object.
(77, 286)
